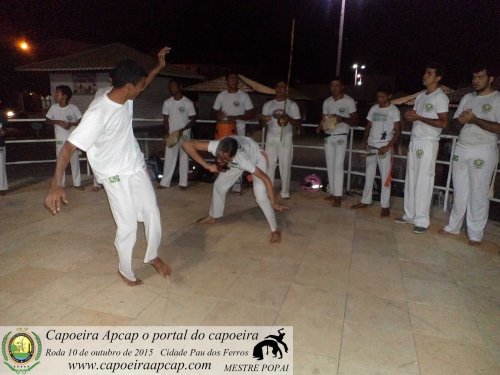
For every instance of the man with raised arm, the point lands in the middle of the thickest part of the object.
(105, 133)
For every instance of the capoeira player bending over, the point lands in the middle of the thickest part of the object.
(475, 156)
(233, 156)
(106, 134)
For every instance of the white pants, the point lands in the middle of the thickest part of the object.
(3, 170)
(335, 148)
(282, 151)
(473, 169)
(132, 199)
(74, 161)
(171, 160)
(419, 181)
(384, 165)
(224, 182)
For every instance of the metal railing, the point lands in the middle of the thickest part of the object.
(447, 189)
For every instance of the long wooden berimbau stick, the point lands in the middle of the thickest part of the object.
(288, 79)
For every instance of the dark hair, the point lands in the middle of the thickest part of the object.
(385, 87)
(279, 80)
(483, 66)
(337, 78)
(174, 80)
(66, 91)
(228, 145)
(438, 68)
(127, 71)
(230, 73)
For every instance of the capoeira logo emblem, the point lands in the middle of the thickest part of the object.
(181, 109)
(420, 153)
(114, 179)
(341, 110)
(21, 350)
(486, 108)
(382, 156)
(277, 113)
(340, 141)
(69, 118)
(272, 341)
(236, 103)
(479, 163)
(455, 157)
(429, 107)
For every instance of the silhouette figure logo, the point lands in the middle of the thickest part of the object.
(272, 341)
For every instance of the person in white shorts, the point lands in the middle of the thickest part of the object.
(273, 116)
(475, 157)
(65, 117)
(342, 106)
(233, 156)
(178, 114)
(106, 134)
(381, 133)
(429, 117)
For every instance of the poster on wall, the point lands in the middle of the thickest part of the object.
(84, 84)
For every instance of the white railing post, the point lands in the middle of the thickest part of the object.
(448, 179)
(351, 136)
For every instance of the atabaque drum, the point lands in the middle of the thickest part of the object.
(224, 128)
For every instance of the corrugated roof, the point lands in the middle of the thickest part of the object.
(410, 99)
(105, 58)
(245, 84)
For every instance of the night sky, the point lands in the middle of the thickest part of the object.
(395, 37)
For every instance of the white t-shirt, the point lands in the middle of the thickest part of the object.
(103, 90)
(106, 134)
(274, 109)
(178, 112)
(429, 106)
(246, 157)
(382, 120)
(485, 107)
(342, 107)
(70, 113)
(233, 104)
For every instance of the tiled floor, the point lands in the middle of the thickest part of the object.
(365, 295)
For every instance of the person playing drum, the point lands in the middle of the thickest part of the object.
(234, 155)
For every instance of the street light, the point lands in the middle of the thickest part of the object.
(23, 45)
(357, 77)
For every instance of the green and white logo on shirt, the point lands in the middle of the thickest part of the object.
(114, 179)
(341, 110)
(181, 109)
(420, 153)
(429, 107)
(455, 157)
(236, 103)
(486, 108)
(340, 141)
(59, 142)
(479, 163)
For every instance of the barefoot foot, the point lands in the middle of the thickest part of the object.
(207, 220)
(474, 243)
(95, 189)
(161, 267)
(443, 232)
(275, 237)
(130, 282)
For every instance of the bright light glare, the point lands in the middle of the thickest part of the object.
(362, 66)
(355, 66)
(10, 114)
(315, 186)
(359, 83)
(160, 176)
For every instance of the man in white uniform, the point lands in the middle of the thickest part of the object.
(178, 114)
(4, 186)
(475, 157)
(234, 104)
(273, 116)
(342, 106)
(65, 117)
(106, 134)
(429, 117)
(233, 156)
(381, 134)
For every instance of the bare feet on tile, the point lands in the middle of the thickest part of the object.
(161, 267)
(130, 282)
(207, 220)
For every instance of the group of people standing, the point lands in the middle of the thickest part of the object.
(105, 133)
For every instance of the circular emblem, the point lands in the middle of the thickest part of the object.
(69, 118)
(21, 348)
(478, 163)
(455, 157)
(429, 107)
(181, 109)
(340, 141)
(236, 103)
(277, 113)
(487, 108)
(341, 110)
(420, 153)
(382, 156)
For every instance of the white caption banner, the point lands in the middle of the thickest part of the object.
(146, 350)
